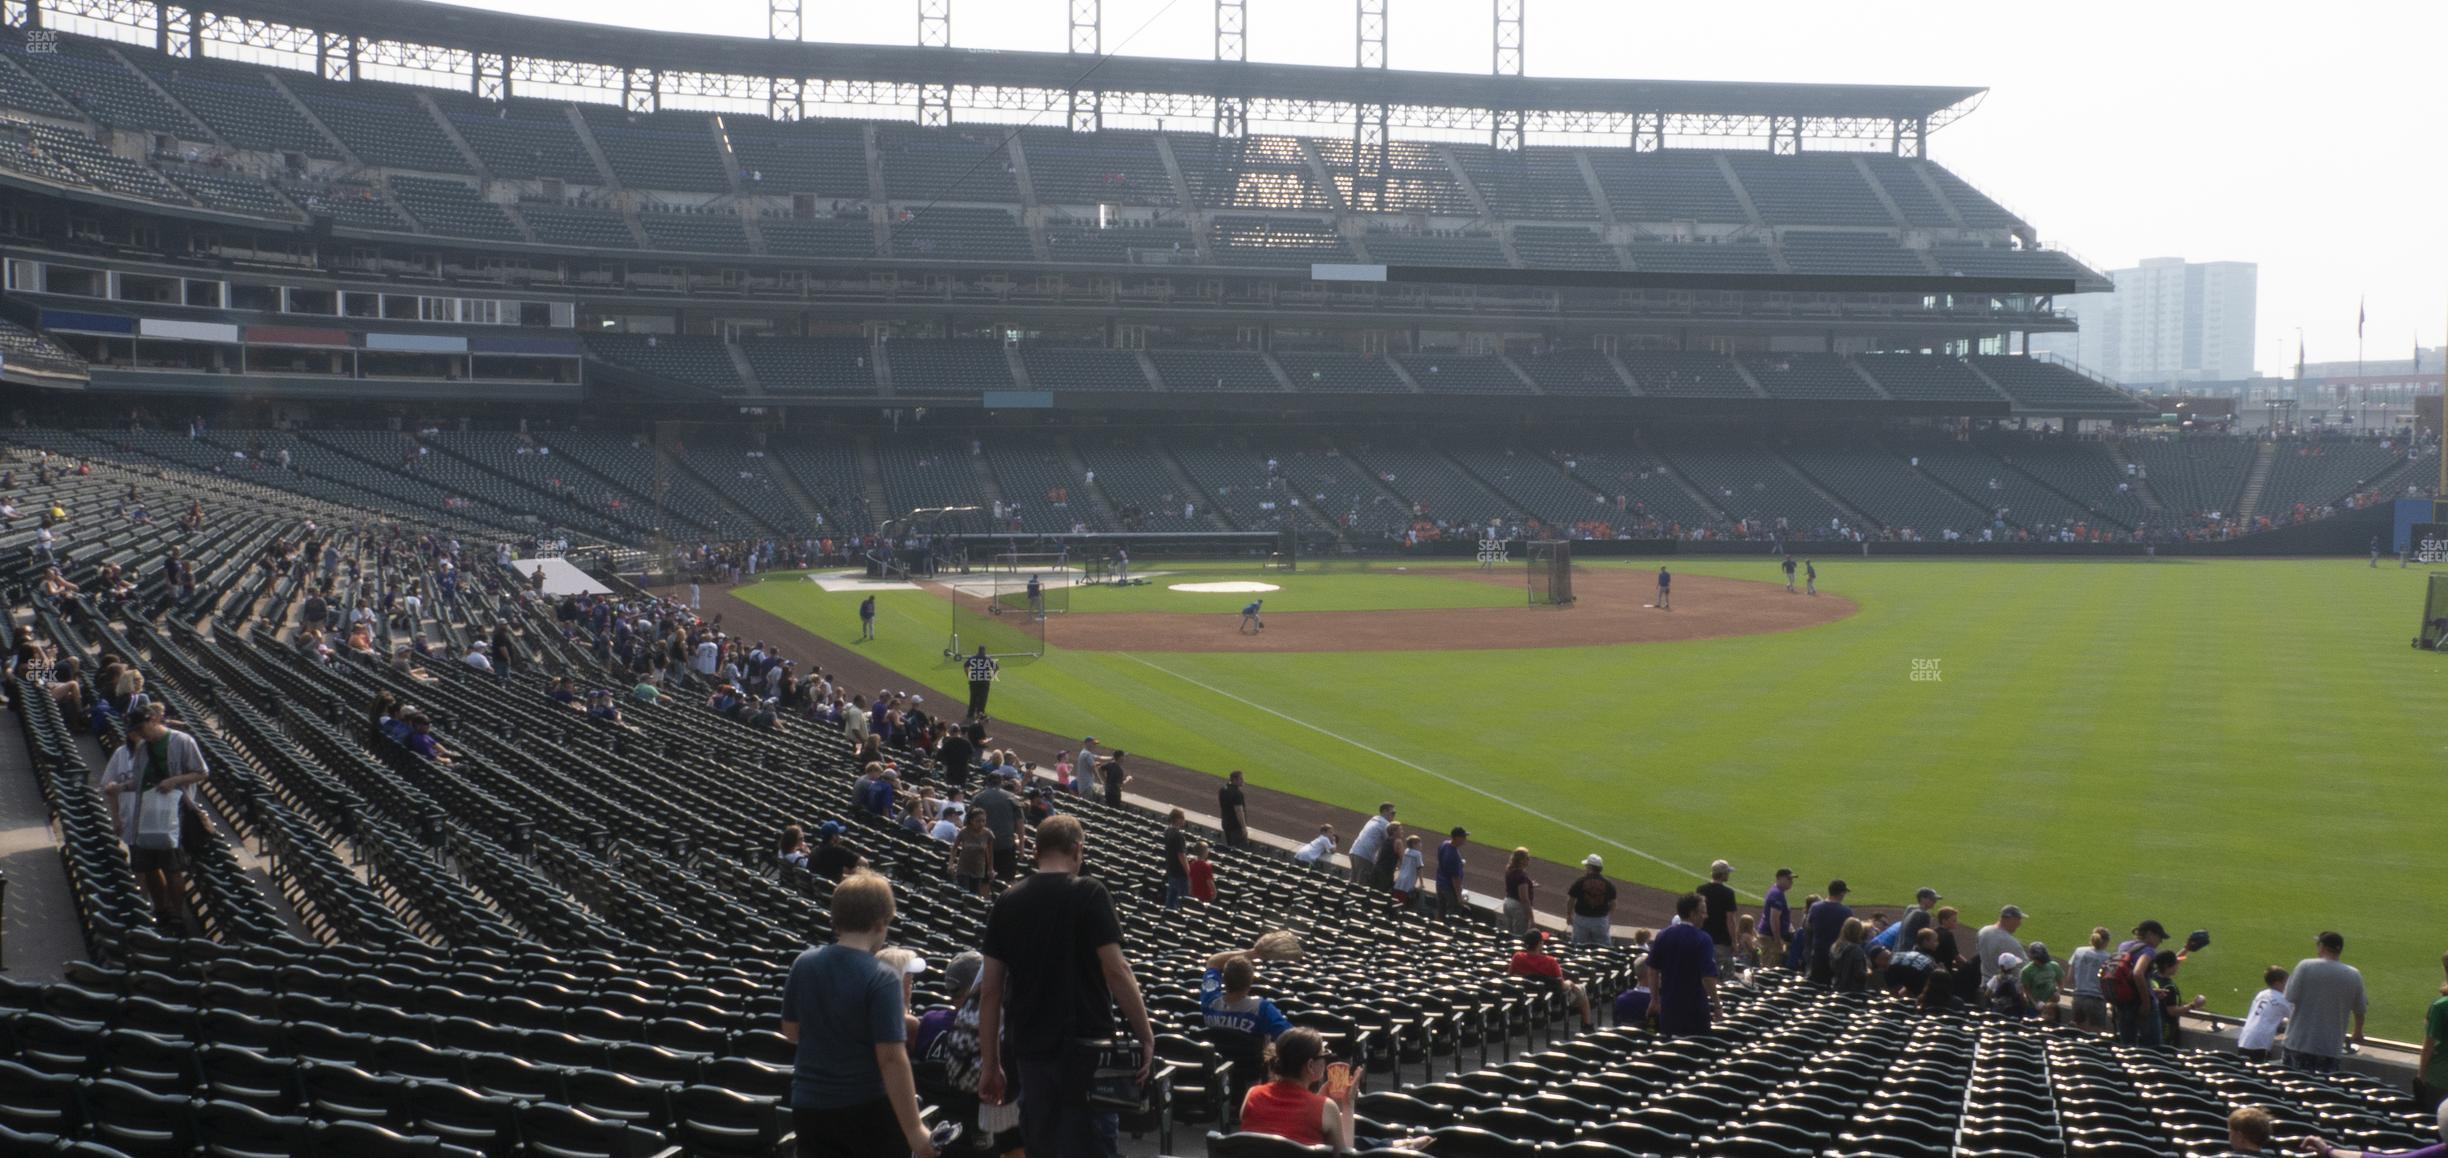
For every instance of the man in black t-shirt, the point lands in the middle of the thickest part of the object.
(1176, 859)
(1592, 904)
(1054, 942)
(982, 670)
(833, 859)
(1721, 902)
(1233, 806)
(957, 753)
(1114, 777)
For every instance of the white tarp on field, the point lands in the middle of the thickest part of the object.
(560, 577)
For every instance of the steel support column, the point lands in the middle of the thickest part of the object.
(1088, 40)
(935, 31)
(1506, 124)
(490, 78)
(336, 56)
(785, 99)
(782, 20)
(641, 90)
(1231, 43)
(1509, 37)
(1369, 120)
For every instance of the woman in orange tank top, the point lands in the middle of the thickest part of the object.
(1286, 1107)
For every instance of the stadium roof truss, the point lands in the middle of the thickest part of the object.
(498, 55)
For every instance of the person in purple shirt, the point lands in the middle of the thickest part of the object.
(1449, 873)
(1824, 921)
(421, 738)
(1681, 971)
(1776, 918)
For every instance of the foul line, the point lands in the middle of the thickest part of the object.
(1429, 772)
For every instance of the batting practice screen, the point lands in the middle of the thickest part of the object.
(2435, 615)
(1005, 618)
(1550, 577)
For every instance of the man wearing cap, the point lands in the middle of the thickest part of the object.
(1449, 873)
(833, 858)
(2325, 992)
(1998, 939)
(1591, 901)
(2042, 975)
(2127, 982)
(1720, 898)
(155, 760)
(1823, 924)
(1776, 919)
(1364, 847)
(476, 657)
(1921, 916)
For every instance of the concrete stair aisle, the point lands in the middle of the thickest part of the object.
(1674, 474)
(986, 481)
(1208, 512)
(2140, 480)
(788, 481)
(1099, 503)
(871, 480)
(1859, 520)
(2265, 454)
(741, 365)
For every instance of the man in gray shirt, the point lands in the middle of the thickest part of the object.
(1997, 940)
(2324, 991)
(1003, 819)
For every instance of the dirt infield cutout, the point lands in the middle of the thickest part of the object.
(1613, 608)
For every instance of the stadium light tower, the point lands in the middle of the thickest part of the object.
(1369, 117)
(935, 31)
(1231, 43)
(784, 95)
(1505, 129)
(1088, 40)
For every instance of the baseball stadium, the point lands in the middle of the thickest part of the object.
(554, 569)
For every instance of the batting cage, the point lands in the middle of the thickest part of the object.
(1004, 616)
(2434, 633)
(1550, 573)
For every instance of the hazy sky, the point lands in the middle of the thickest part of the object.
(2306, 138)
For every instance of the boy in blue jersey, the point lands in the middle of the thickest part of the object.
(1665, 600)
(1226, 1003)
(1250, 622)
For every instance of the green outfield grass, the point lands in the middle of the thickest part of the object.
(2241, 745)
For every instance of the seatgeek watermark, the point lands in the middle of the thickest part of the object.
(1925, 671)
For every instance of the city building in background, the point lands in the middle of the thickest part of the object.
(2170, 320)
